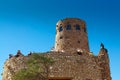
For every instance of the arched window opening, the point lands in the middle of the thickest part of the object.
(68, 27)
(77, 27)
(60, 29)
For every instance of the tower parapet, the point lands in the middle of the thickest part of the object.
(71, 35)
(103, 61)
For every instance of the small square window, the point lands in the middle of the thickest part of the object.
(68, 27)
(79, 53)
(60, 29)
(77, 27)
(61, 37)
(85, 30)
(78, 41)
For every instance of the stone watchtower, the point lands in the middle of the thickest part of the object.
(71, 35)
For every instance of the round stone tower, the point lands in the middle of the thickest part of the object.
(71, 35)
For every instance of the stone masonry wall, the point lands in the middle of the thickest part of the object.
(71, 54)
(12, 65)
(83, 66)
(76, 67)
(71, 35)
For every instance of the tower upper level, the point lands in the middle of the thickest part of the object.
(71, 35)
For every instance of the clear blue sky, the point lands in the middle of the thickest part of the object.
(29, 25)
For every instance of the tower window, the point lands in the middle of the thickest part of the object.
(84, 29)
(77, 27)
(61, 37)
(78, 41)
(79, 53)
(68, 27)
(60, 29)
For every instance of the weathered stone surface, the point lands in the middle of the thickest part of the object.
(74, 66)
(73, 60)
(12, 65)
(73, 38)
